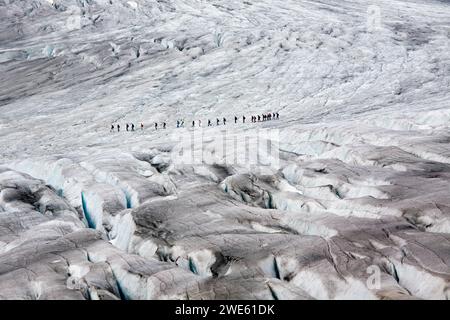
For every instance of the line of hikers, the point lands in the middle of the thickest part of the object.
(266, 117)
(129, 127)
(180, 123)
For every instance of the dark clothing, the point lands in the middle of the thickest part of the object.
(128, 126)
(235, 119)
(224, 121)
(142, 126)
(209, 123)
(164, 125)
(259, 117)
(156, 126)
(243, 119)
(118, 128)
(132, 127)
(218, 121)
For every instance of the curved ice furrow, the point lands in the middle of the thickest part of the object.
(364, 117)
(197, 261)
(36, 242)
(98, 189)
(96, 270)
(327, 190)
(303, 200)
(96, 200)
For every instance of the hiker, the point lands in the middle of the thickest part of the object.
(278, 116)
(112, 128)
(235, 119)
(156, 125)
(259, 118)
(178, 123)
(218, 121)
(164, 125)
(209, 123)
(142, 126)
(273, 115)
(182, 123)
(193, 123)
(199, 123)
(224, 121)
(269, 116)
(128, 126)
(118, 127)
(132, 127)
(243, 119)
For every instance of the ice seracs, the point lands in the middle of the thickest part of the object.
(355, 207)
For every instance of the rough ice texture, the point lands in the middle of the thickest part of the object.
(364, 175)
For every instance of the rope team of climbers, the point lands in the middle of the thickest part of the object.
(180, 123)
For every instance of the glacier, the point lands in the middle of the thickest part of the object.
(356, 205)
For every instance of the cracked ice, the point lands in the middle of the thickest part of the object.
(362, 181)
